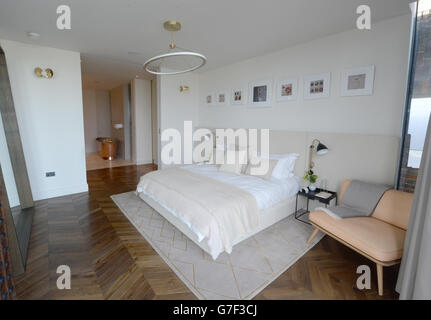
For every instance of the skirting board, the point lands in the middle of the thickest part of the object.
(143, 162)
(58, 192)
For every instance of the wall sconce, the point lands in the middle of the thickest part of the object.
(40, 73)
(320, 151)
(184, 89)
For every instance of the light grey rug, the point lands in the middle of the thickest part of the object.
(253, 264)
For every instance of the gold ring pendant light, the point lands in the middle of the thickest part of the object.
(176, 60)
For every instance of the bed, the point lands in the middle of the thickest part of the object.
(170, 191)
(341, 162)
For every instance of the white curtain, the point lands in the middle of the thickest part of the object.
(414, 278)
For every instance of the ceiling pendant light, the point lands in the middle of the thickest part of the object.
(176, 60)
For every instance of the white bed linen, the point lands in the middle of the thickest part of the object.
(267, 192)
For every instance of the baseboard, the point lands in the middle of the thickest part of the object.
(142, 162)
(58, 192)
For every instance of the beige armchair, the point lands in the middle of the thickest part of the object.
(379, 237)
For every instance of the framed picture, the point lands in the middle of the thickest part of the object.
(287, 89)
(357, 82)
(260, 94)
(221, 98)
(317, 86)
(238, 96)
(209, 99)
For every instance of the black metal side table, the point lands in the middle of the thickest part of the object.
(312, 195)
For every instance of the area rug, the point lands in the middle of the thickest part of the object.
(252, 265)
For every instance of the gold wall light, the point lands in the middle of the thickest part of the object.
(184, 89)
(40, 73)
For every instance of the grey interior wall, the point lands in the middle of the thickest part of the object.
(97, 117)
(121, 114)
(117, 114)
(90, 120)
(141, 121)
(154, 122)
(127, 122)
(103, 109)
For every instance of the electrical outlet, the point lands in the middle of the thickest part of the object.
(50, 174)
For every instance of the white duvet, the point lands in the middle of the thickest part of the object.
(267, 194)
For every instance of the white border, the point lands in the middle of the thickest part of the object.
(212, 99)
(369, 81)
(326, 77)
(263, 104)
(293, 97)
(225, 98)
(243, 95)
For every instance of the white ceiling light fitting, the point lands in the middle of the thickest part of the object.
(176, 60)
(33, 35)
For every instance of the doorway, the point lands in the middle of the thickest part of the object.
(127, 115)
(107, 115)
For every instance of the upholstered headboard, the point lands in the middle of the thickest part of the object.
(371, 158)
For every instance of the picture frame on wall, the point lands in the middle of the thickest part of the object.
(287, 89)
(317, 86)
(238, 96)
(357, 82)
(221, 98)
(260, 93)
(209, 99)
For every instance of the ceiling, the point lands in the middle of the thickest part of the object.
(115, 37)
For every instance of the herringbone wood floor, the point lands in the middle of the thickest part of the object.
(109, 259)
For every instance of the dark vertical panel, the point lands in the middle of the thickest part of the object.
(406, 112)
(13, 138)
(17, 260)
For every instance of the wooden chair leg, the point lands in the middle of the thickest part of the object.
(380, 278)
(312, 235)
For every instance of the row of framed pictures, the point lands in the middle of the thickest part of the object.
(354, 82)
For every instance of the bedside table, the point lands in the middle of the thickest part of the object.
(312, 195)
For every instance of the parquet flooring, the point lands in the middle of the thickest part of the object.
(109, 259)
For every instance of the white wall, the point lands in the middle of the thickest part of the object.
(174, 106)
(141, 121)
(386, 46)
(97, 117)
(50, 119)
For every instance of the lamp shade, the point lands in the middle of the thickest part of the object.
(321, 149)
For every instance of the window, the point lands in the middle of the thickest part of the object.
(418, 105)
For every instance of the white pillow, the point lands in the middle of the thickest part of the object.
(258, 170)
(238, 166)
(218, 152)
(285, 166)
